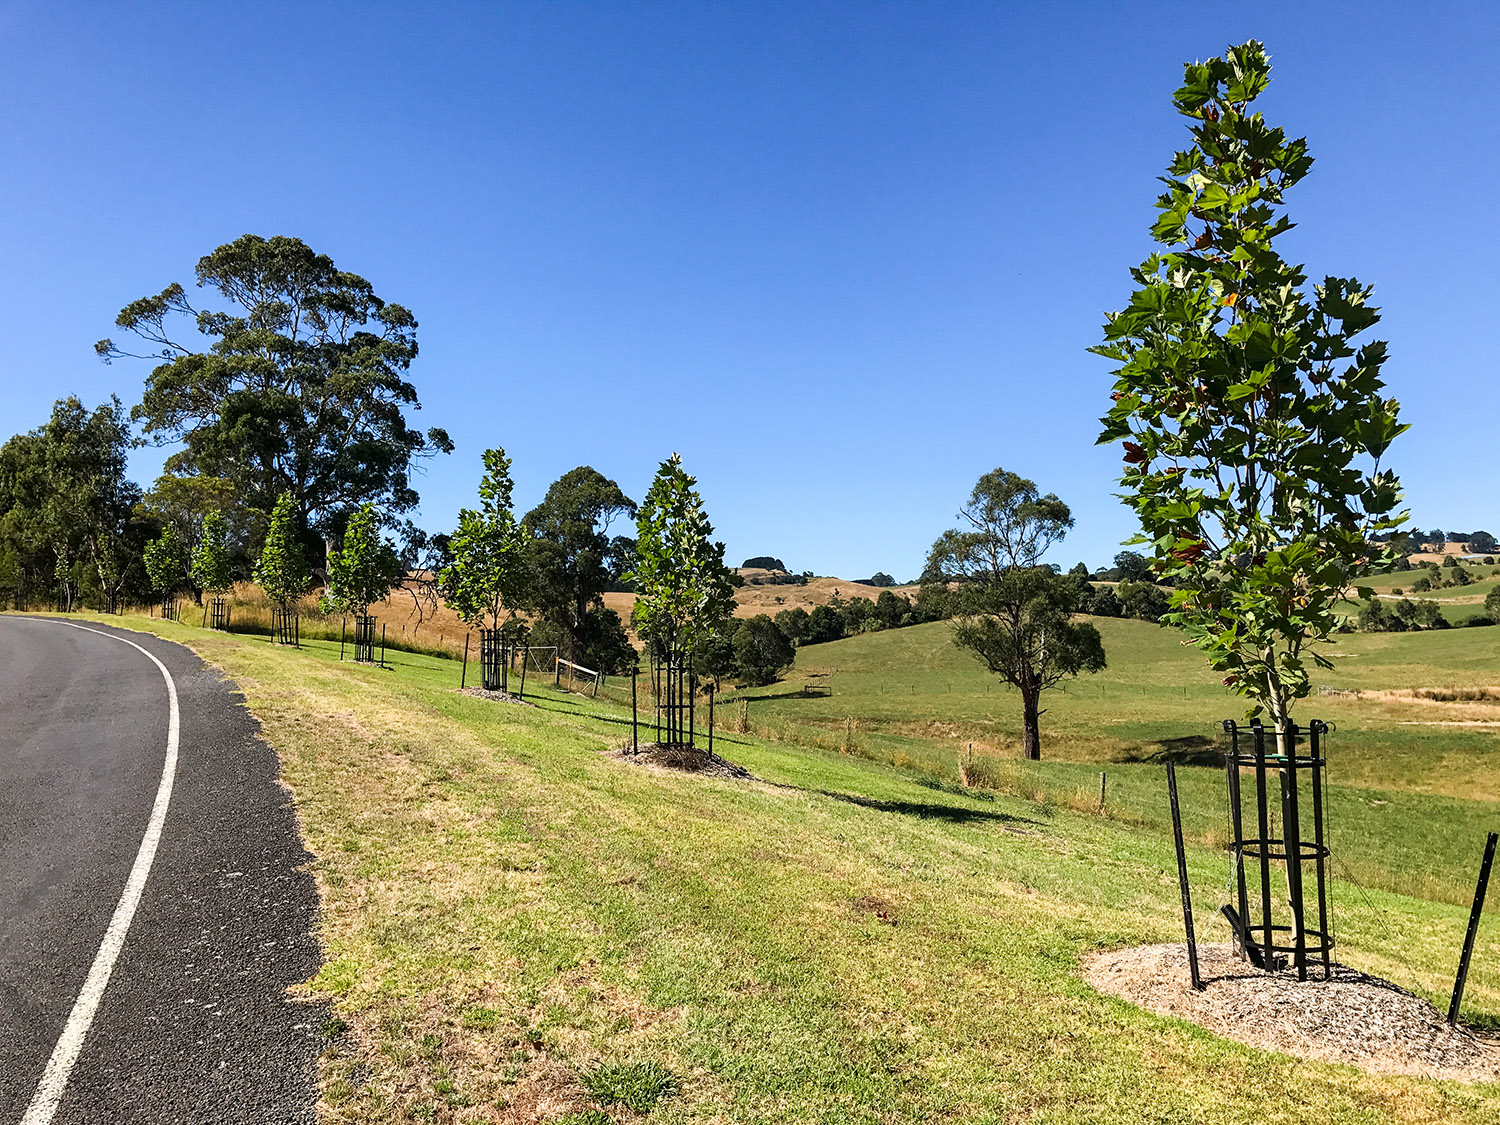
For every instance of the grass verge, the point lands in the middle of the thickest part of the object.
(507, 910)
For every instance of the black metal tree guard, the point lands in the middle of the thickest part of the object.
(675, 686)
(1267, 941)
(494, 659)
(285, 628)
(218, 614)
(364, 639)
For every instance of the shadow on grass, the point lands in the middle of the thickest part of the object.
(924, 811)
(1189, 750)
(807, 691)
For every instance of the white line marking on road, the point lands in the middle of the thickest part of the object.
(54, 1081)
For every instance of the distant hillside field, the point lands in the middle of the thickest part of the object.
(1417, 718)
(442, 628)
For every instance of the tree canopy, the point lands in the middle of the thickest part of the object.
(297, 385)
(282, 569)
(684, 590)
(1253, 425)
(570, 553)
(68, 518)
(364, 568)
(488, 573)
(762, 651)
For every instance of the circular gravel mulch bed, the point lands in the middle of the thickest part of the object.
(1355, 1019)
(685, 759)
(494, 696)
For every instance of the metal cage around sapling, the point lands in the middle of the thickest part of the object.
(285, 627)
(364, 640)
(1268, 931)
(494, 660)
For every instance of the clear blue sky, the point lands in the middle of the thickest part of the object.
(843, 257)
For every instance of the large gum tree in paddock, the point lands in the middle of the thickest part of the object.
(296, 384)
(1009, 609)
(1252, 421)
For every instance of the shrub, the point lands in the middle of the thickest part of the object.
(761, 651)
(824, 623)
(793, 622)
(1142, 600)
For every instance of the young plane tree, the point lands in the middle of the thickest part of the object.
(489, 568)
(210, 565)
(684, 592)
(1010, 610)
(1252, 422)
(167, 559)
(363, 568)
(282, 570)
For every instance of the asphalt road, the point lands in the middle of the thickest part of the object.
(194, 1024)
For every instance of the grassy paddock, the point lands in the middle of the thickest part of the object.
(506, 908)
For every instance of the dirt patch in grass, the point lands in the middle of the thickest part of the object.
(494, 696)
(545, 1094)
(882, 909)
(1354, 1019)
(683, 759)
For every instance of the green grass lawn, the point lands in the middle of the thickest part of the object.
(506, 907)
(1417, 795)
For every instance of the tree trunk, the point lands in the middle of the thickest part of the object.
(1031, 737)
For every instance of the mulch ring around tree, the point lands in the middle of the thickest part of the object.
(684, 759)
(494, 696)
(1354, 1019)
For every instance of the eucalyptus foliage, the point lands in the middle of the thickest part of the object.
(1252, 422)
(683, 589)
(282, 570)
(489, 568)
(296, 383)
(363, 569)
